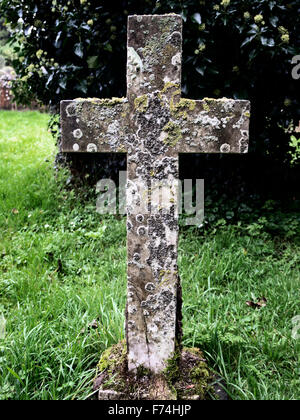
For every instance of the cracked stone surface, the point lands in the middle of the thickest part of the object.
(153, 124)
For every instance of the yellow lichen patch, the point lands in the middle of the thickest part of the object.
(181, 108)
(141, 103)
(247, 114)
(102, 102)
(168, 86)
(187, 103)
(206, 107)
(173, 132)
(121, 149)
(169, 93)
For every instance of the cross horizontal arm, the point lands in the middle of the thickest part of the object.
(94, 125)
(208, 126)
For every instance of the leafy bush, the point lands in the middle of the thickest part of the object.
(6, 51)
(71, 48)
(295, 152)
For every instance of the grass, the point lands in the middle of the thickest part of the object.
(62, 265)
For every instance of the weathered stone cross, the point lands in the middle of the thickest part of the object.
(153, 125)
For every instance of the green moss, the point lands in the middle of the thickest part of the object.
(200, 375)
(185, 379)
(172, 371)
(141, 103)
(112, 358)
(174, 134)
(142, 371)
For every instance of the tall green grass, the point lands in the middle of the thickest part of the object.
(62, 266)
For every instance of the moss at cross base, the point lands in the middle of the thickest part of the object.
(188, 375)
(113, 363)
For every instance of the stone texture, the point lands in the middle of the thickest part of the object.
(106, 395)
(153, 125)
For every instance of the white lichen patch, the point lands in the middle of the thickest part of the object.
(71, 110)
(205, 119)
(113, 128)
(176, 60)
(225, 148)
(77, 133)
(92, 148)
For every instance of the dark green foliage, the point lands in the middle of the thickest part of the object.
(231, 48)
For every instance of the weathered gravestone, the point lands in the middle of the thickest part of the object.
(153, 124)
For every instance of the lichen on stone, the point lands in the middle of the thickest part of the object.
(102, 102)
(141, 103)
(185, 377)
(206, 107)
(168, 86)
(181, 108)
(174, 134)
(188, 375)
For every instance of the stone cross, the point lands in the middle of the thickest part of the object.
(153, 124)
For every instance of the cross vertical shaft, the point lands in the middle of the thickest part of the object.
(154, 60)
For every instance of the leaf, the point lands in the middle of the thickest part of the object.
(78, 50)
(86, 27)
(28, 30)
(184, 15)
(268, 42)
(57, 43)
(50, 78)
(108, 47)
(197, 18)
(15, 375)
(274, 21)
(247, 40)
(82, 87)
(272, 4)
(200, 70)
(92, 62)
(63, 83)
(261, 303)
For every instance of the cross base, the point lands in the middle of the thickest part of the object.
(187, 377)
